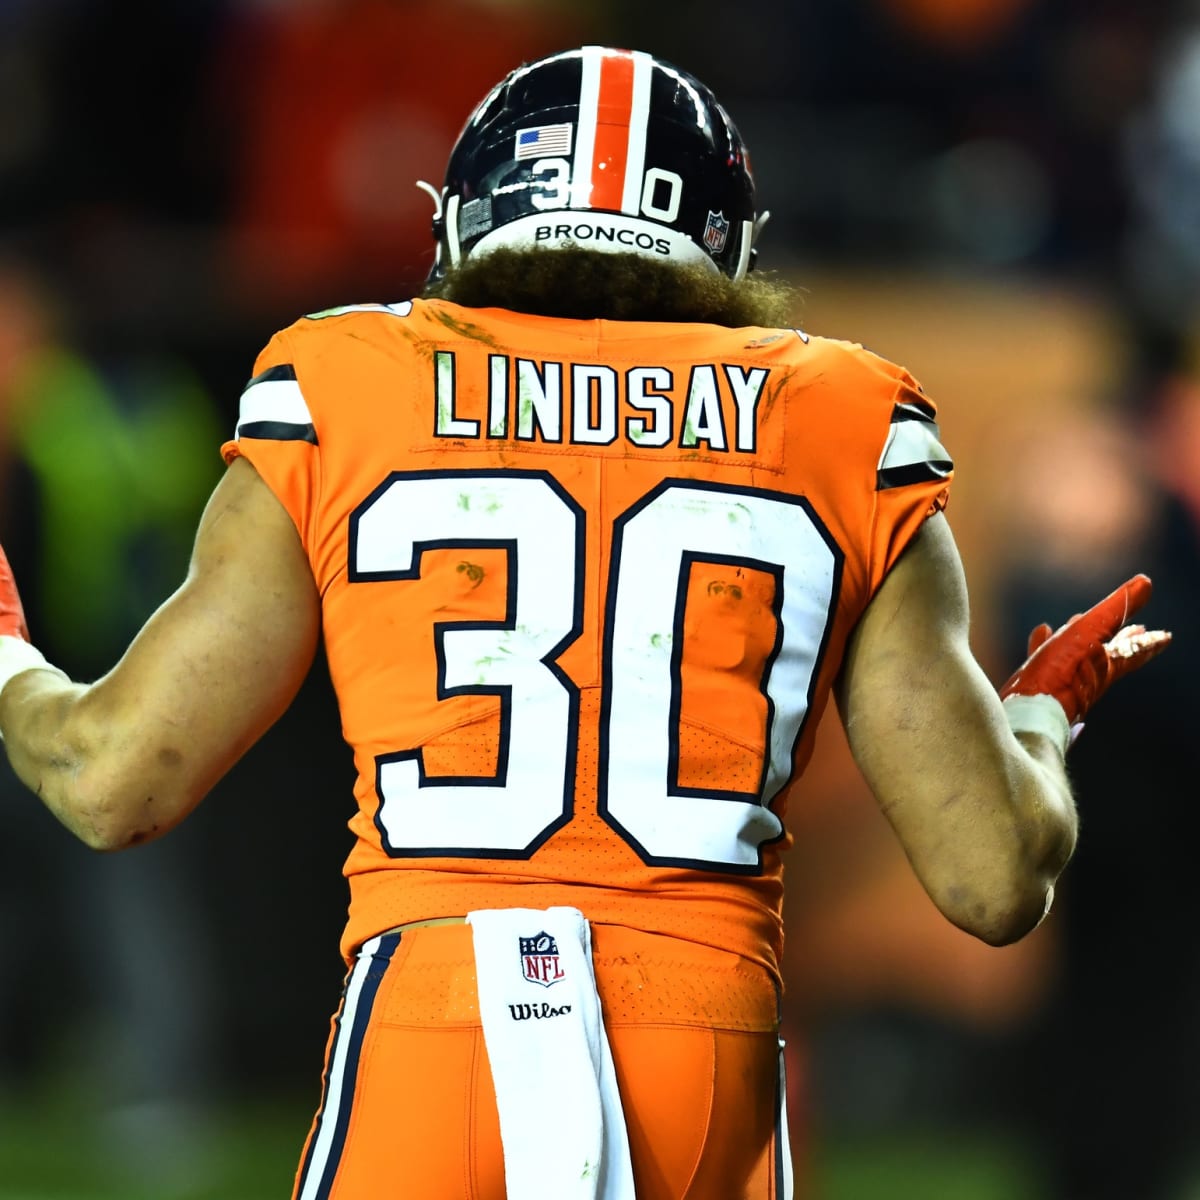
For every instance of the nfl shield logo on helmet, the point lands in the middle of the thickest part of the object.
(716, 231)
(539, 959)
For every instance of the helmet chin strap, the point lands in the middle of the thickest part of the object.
(750, 232)
(445, 221)
(745, 249)
(434, 195)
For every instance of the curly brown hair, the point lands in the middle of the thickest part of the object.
(584, 284)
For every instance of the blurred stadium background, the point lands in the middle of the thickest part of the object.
(1003, 195)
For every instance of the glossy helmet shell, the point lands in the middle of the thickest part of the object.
(613, 150)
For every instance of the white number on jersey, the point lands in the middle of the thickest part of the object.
(542, 529)
(653, 543)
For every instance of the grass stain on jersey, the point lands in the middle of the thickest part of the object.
(473, 571)
(719, 587)
(524, 404)
(776, 389)
(463, 328)
(493, 502)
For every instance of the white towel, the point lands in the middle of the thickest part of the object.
(561, 1122)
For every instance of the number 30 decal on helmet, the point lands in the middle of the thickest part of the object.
(613, 150)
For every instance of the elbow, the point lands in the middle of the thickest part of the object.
(107, 825)
(1010, 924)
(1003, 895)
(111, 785)
(999, 912)
(110, 811)
(109, 838)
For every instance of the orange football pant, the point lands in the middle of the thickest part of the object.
(408, 1108)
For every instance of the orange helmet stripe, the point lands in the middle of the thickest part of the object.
(610, 142)
(610, 152)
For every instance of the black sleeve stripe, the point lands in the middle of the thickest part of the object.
(913, 410)
(278, 431)
(918, 472)
(283, 371)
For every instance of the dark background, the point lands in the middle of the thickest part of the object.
(1004, 195)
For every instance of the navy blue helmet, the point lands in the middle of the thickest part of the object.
(608, 149)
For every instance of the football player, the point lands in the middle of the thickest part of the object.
(591, 536)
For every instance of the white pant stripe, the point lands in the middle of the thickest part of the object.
(327, 1141)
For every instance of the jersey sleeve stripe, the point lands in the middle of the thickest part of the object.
(276, 431)
(912, 473)
(912, 453)
(913, 410)
(273, 407)
(281, 371)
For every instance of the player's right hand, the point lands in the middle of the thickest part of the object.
(1077, 663)
(12, 615)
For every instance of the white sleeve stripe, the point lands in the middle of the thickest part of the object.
(912, 442)
(277, 400)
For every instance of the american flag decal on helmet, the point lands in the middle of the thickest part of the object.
(543, 141)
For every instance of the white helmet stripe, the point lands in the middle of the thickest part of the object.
(585, 134)
(639, 117)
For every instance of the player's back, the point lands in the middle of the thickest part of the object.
(585, 587)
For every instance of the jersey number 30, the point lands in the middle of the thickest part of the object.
(656, 543)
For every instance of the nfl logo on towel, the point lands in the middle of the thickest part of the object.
(543, 141)
(539, 959)
(716, 231)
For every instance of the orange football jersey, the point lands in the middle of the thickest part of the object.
(586, 586)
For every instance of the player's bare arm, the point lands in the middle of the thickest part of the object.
(984, 813)
(126, 758)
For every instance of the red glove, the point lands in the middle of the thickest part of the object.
(12, 615)
(1077, 663)
(16, 654)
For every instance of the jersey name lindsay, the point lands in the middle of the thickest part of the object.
(713, 407)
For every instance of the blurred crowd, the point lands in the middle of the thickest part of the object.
(1004, 195)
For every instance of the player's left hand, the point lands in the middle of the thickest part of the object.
(1077, 663)
(12, 615)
